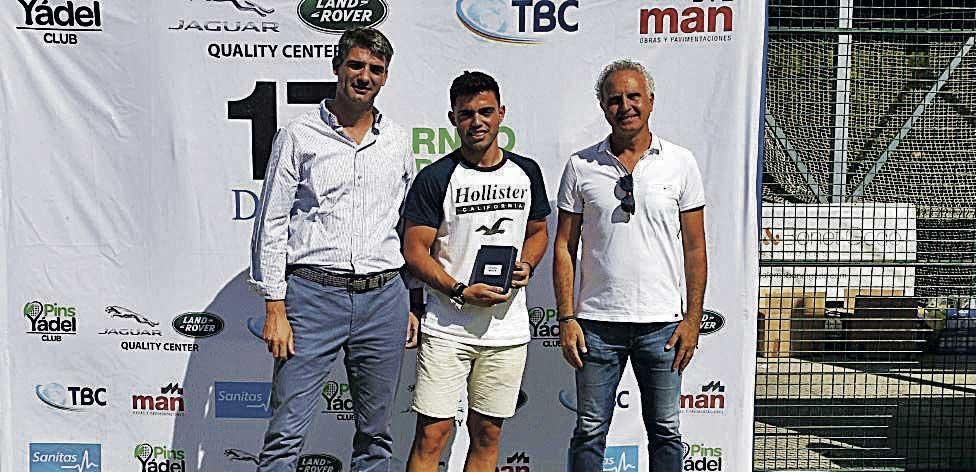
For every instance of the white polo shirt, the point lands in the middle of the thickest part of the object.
(632, 266)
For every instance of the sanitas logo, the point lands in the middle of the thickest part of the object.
(517, 462)
(169, 401)
(711, 322)
(710, 400)
(698, 457)
(242, 399)
(692, 23)
(336, 16)
(198, 324)
(65, 457)
(338, 400)
(620, 459)
(517, 21)
(51, 321)
(544, 326)
(61, 22)
(72, 397)
(160, 458)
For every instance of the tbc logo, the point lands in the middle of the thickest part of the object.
(50, 320)
(242, 399)
(516, 21)
(71, 398)
(336, 16)
(61, 457)
(160, 458)
(620, 459)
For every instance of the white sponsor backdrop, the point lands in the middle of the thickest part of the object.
(128, 182)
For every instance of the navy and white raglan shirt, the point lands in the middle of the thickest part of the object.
(470, 207)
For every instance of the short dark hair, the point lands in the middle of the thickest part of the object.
(366, 38)
(472, 83)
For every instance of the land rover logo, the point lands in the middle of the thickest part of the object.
(319, 463)
(711, 322)
(336, 16)
(198, 324)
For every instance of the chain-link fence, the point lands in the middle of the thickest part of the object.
(867, 331)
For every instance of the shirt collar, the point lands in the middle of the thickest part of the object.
(653, 150)
(330, 119)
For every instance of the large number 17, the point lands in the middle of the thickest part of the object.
(261, 108)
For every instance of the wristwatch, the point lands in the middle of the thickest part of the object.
(457, 293)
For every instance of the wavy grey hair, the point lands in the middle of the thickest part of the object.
(619, 65)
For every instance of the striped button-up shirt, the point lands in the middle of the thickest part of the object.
(330, 202)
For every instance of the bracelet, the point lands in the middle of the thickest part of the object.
(531, 268)
(566, 318)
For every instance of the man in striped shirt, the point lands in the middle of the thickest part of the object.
(326, 256)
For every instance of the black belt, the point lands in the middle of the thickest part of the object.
(356, 283)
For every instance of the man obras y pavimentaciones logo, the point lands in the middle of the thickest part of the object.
(50, 321)
(336, 16)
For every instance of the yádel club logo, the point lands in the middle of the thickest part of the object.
(59, 23)
(160, 458)
(50, 321)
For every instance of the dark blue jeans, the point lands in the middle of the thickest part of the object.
(370, 328)
(609, 345)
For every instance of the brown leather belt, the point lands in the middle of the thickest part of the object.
(355, 283)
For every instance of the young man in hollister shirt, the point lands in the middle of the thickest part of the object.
(472, 336)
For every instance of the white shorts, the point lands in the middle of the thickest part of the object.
(493, 375)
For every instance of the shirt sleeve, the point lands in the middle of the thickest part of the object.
(425, 200)
(539, 207)
(269, 241)
(410, 174)
(568, 198)
(693, 190)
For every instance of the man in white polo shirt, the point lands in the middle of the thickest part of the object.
(637, 200)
